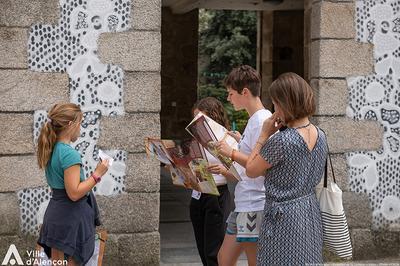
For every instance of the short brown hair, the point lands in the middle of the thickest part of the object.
(244, 77)
(293, 95)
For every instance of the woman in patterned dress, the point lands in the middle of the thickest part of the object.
(293, 163)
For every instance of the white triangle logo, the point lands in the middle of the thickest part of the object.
(12, 250)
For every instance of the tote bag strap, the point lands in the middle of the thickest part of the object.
(326, 165)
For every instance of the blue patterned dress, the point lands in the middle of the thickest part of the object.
(291, 232)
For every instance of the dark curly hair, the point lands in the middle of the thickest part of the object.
(214, 109)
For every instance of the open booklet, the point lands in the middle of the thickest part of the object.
(186, 161)
(207, 132)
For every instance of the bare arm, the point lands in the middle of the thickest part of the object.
(77, 189)
(256, 165)
(240, 157)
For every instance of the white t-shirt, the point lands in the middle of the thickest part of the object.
(250, 192)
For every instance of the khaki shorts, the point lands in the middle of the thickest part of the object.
(245, 225)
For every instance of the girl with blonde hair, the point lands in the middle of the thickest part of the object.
(68, 230)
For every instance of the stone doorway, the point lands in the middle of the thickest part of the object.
(280, 49)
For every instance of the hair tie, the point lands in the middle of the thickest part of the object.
(49, 121)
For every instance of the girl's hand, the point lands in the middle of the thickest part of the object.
(223, 148)
(189, 183)
(270, 126)
(218, 169)
(186, 184)
(235, 134)
(101, 168)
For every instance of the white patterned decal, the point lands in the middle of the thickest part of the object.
(71, 47)
(377, 97)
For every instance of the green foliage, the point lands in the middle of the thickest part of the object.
(240, 117)
(214, 91)
(226, 39)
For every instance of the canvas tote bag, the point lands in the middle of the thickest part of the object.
(335, 230)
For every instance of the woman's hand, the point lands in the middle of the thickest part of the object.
(270, 126)
(101, 168)
(223, 148)
(218, 169)
(235, 134)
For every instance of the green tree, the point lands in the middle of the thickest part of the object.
(226, 39)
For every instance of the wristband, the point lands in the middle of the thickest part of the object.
(97, 179)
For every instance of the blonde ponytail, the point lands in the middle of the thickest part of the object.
(47, 139)
(60, 116)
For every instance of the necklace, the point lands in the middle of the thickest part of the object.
(308, 132)
(309, 123)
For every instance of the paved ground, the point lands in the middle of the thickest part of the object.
(178, 247)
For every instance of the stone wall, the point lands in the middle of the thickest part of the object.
(341, 67)
(40, 64)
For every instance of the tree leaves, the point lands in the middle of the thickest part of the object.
(226, 39)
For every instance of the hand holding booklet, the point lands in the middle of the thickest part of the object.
(104, 156)
(186, 161)
(208, 132)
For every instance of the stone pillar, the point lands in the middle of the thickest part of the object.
(333, 58)
(133, 217)
(178, 71)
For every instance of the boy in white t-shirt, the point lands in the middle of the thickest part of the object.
(243, 84)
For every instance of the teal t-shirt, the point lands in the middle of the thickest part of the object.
(62, 157)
